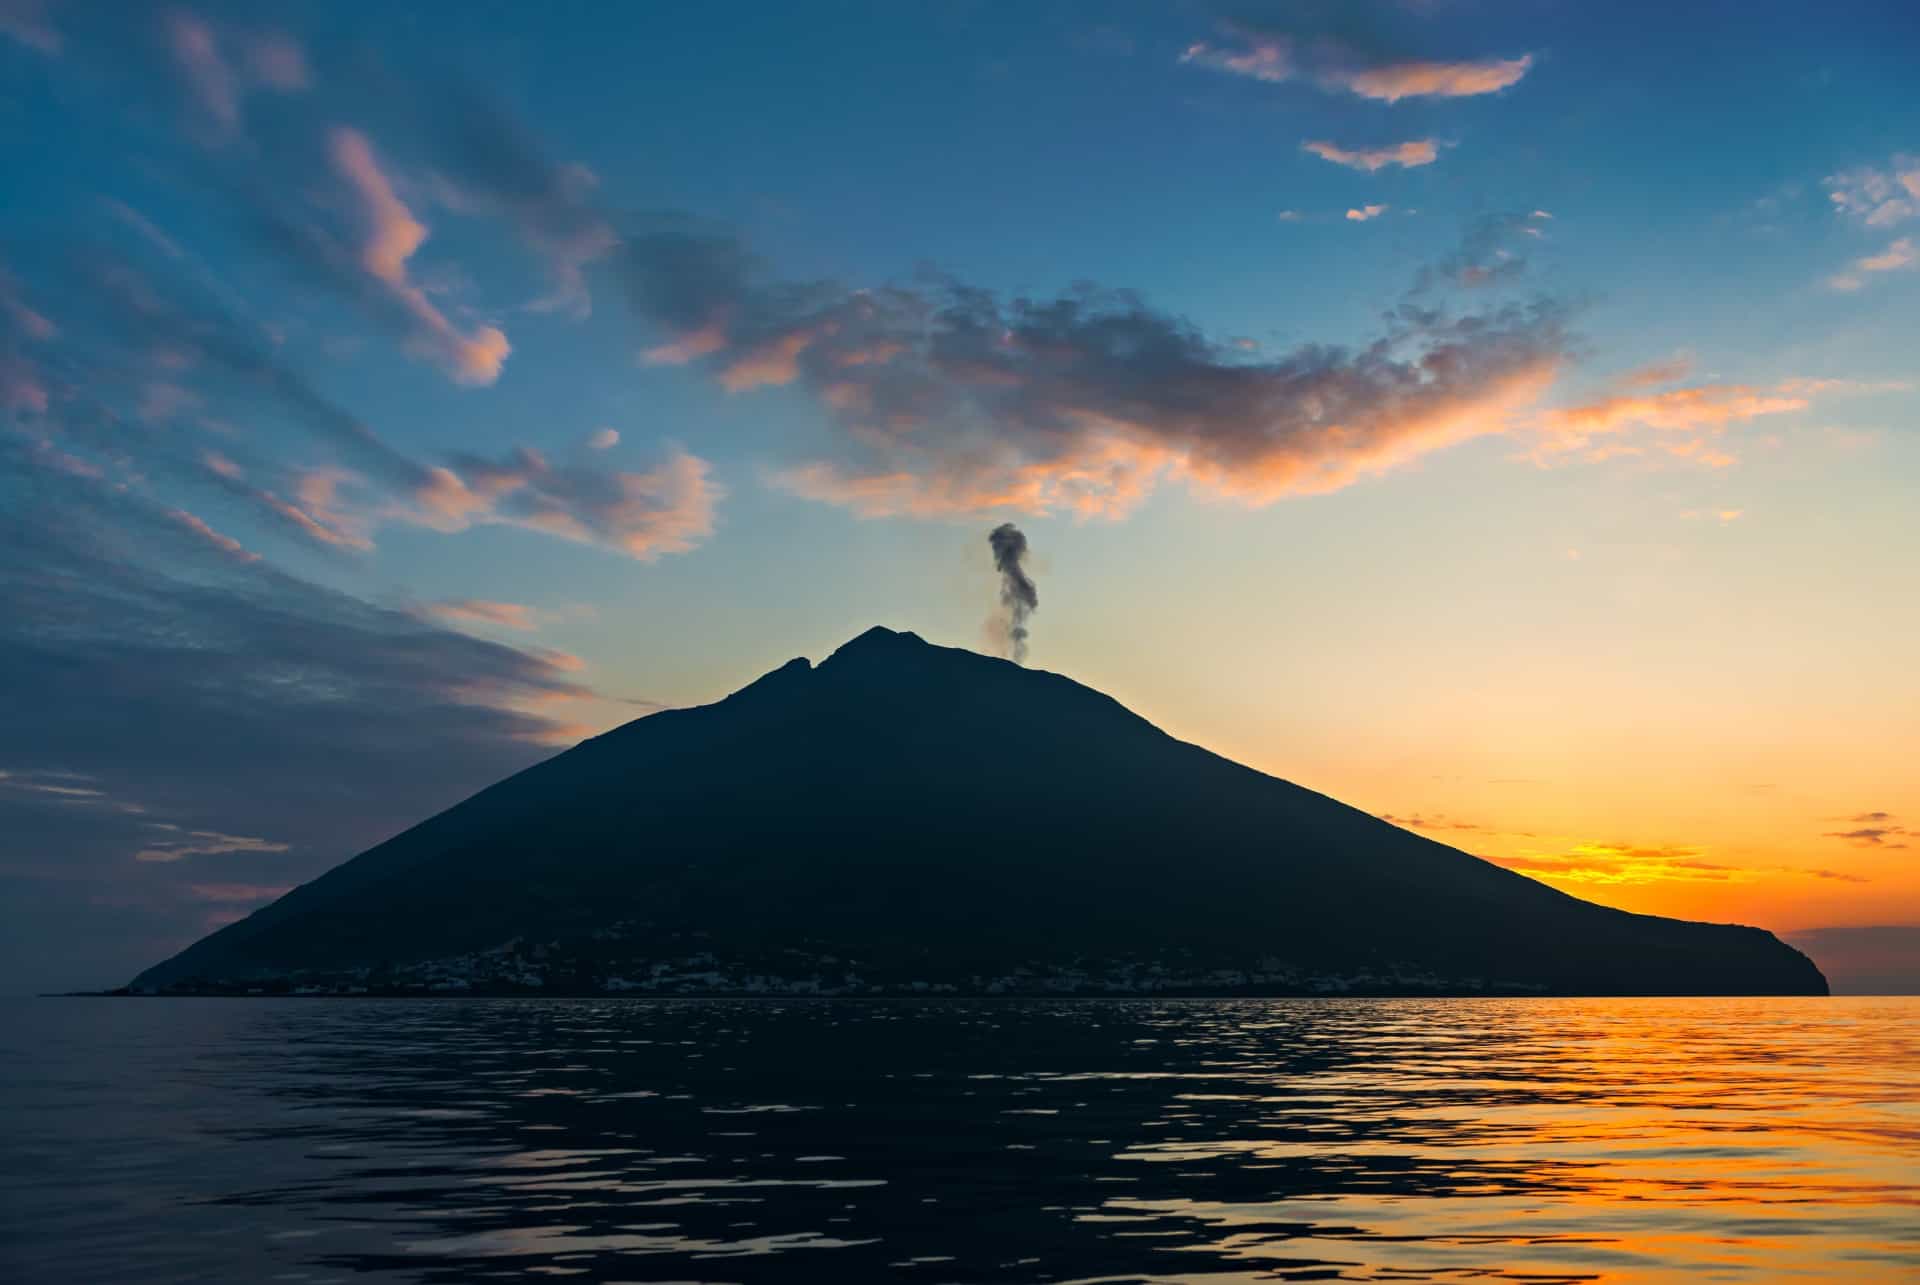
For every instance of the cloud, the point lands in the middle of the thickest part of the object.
(393, 234)
(1878, 197)
(133, 318)
(478, 611)
(215, 83)
(26, 21)
(262, 716)
(226, 544)
(604, 439)
(668, 509)
(485, 163)
(1897, 257)
(1408, 155)
(1670, 371)
(1490, 254)
(206, 843)
(1438, 822)
(1366, 212)
(1705, 410)
(1615, 864)
(950, 400)
(1872, 830)
(1333, 63)
(238, 892)
(207, 74)
(1396, 81)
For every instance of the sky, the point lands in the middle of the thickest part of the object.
(1501, 417)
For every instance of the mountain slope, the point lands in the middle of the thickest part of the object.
(910, 811)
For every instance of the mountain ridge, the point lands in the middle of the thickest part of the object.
(906, 814)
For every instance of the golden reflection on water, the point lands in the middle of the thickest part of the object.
(1539, 1140)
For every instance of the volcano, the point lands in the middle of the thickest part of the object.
(907, 818)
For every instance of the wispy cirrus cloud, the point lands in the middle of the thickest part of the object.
(643, 514)
(206, 843)
(175, 717)
(225, 543)
(137, 322)
(393, 234)
(1407, 155)
(219, 65)
(480, 611)
(1878, 196)
(1899, 256)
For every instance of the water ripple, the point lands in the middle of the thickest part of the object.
(1378, 1140)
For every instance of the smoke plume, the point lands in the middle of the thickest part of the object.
(1017, 594)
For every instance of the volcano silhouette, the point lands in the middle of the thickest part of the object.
(906, 816)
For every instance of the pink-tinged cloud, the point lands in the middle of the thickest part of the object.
(161, 401)
(21, 317)
(691, 346)
(1670, 371)
(1366, 212)
(1878, 197)
(196, 53)
(1084, 403)
(604, 439)
(668, 509)
(775, 362)
(1396, 81)
(1408, 155)
(21, 389)
(278, 62)
(1706, 409)
(319, 511)
(393, 234)
(205, 843)
(1106, 467)
(480, 611)
(221, 466)
(1332, 65)
(218, 85)
(225, 543)
(1899, 256)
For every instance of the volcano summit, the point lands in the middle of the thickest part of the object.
(906, 818)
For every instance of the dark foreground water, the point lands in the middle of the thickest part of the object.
(1391, 1140)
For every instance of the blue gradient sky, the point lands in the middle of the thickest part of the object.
(1562, 509)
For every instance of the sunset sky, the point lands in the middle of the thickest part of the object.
(1499, 416)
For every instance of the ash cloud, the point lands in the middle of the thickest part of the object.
(1019, 599)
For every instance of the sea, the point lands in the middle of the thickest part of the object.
(448, 1140)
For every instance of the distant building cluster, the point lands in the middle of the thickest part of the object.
(607, 964)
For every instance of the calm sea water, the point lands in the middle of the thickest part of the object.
(1386, 1140)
